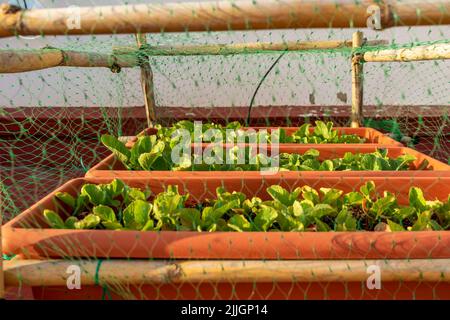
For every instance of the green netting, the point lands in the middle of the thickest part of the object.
(52, 120)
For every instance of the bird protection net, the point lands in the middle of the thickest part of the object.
(138, 224)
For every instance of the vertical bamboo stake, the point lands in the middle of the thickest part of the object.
(147, 83)
(357, 81)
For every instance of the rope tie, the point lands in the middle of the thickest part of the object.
(105, 291)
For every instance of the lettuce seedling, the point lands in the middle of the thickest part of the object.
(323, 133)
(116, 206)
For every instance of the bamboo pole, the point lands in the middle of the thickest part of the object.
(418, 12)
(53, 272)
(147, 82)
(218, 16)
(357, 82)
(12, 61)
(241, 48)
(427, 52)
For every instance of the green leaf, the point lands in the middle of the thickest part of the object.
(80, 204)
(279, 194)
(345, 221)
(353, 198)
(321, 226)
(190, 217)
(368, 189)
(136, 215)
(330, 196)
(185, 124)
(66, 198)
(147, 160)
(311, 153)
(327, 165)
(223, 195)
(405, 161)
(417, 200)
(370, 162)
(382, 152)
(395, 227)
(349, 157)
(383, 205)
(149, 226)
(321, 210)
(53, 219)
(265, 218)
(435, 226)
(322, 130)
(303, 131)
(117, 147)
(239, 223)
(310, 194)
(91, 221)
(403, 213)
(297, 209)
(159, 147)
(116, 187)
(95, 194)
(144, 144)
(105, 213)
(167, 205)
(220, 208)
(70, 222)
(314, 164)
(135, 194)
(423, 222)
(251, 205)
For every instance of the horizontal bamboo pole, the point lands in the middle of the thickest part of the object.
(12, 61)
(54, 272)
(241, 48)
(427, 52)
(218, 16)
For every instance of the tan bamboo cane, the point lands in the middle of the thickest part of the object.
(147, 83)
(54, 272)
(426, 52)
(242, 48)
(12, 61)
(357, 82)
(218, 16)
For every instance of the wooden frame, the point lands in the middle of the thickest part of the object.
(241, 15)
(435, 51)
(147, 83)
(218, 16)
(242, 48)
(12, 61)
(357, 81)
(53, 272)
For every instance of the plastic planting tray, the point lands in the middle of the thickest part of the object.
(111, 167)
(372, 136)
(29, 236)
